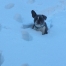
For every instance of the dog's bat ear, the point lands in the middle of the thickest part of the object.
(44, 17)
(33, 13)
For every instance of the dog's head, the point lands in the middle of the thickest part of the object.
(38, 19)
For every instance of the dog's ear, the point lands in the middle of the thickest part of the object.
(44, 17)
(33, 13)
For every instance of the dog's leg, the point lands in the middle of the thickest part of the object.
(33, 26)
(46, 29)
(43, 30)
(46, 26)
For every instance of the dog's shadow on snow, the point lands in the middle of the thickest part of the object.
(25, 34)
(27, 26)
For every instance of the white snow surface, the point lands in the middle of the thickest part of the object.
(28, 47)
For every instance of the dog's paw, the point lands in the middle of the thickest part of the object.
(44, 33)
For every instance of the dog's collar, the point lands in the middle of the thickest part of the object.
(41, 26)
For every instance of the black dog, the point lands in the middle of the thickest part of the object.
(39, 22)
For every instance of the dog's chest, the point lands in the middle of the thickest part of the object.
(39, 28)
(38, 25)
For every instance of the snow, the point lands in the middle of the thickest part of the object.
(11, 5)
(18, 17)
(26, 47)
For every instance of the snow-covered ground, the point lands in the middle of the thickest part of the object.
(19, 46)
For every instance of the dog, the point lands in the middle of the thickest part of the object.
(39, 22)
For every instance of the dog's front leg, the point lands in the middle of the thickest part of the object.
(33, 26)
(43, 30)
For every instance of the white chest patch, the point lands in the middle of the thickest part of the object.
(39, 25)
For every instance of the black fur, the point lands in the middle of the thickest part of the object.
(39, 22)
